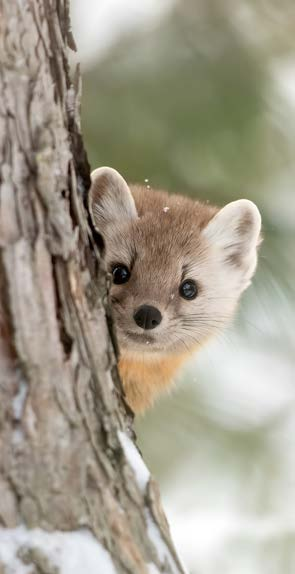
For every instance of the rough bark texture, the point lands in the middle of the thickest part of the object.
(62, 465)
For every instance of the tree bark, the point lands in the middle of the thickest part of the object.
(72, 484)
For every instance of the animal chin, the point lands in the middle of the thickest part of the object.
(141, 338)
(137, 341)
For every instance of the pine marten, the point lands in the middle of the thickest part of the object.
(178, 269)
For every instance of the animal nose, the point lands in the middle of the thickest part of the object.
(147, 317)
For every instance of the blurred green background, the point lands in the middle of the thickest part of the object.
(198, 97)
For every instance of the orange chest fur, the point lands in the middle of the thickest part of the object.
(143, 378)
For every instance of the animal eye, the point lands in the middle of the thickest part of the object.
(188, 289)
(120, 274)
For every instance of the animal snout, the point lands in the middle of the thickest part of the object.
(147, 317)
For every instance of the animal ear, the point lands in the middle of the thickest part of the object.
(235, 232)
(110, 200)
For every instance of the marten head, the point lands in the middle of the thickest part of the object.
(178, 266)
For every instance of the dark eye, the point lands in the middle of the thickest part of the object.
(120, 274)
(188, 289)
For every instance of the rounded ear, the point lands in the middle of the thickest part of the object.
(235, 232)
(110, 199)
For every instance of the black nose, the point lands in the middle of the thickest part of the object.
(147, 317)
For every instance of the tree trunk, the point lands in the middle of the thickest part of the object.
(75, 495)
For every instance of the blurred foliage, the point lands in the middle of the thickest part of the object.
(187, 105)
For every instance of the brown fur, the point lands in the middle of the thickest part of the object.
(163, 240)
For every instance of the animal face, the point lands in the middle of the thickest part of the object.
(178, 266)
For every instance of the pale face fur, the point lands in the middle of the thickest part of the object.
(161, 247)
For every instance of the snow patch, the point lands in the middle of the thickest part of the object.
(140, 470)
(18, 402)
(163, 551)
(152, 569)
(71, 552)
(71, 100)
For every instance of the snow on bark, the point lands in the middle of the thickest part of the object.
(135, 460)
(66, 552)
(152, 569)
(166, 558)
